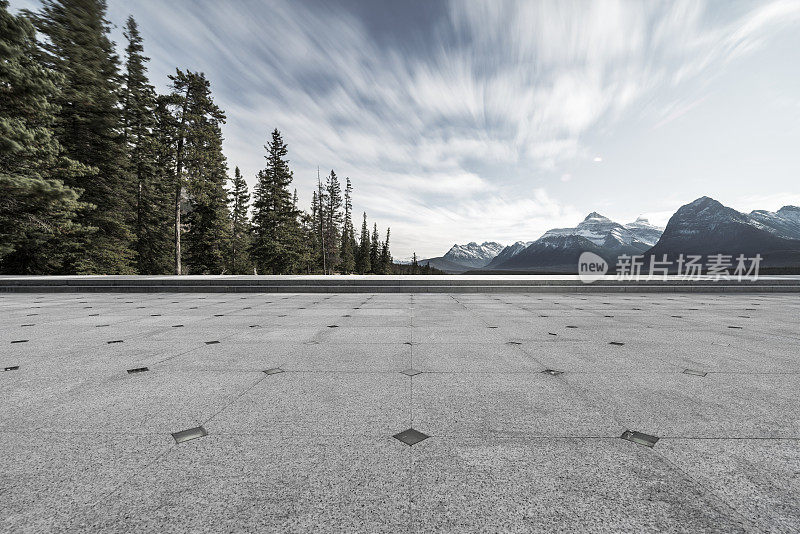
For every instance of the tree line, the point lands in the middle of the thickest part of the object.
(101, 174)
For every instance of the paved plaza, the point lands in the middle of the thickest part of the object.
(296, 407)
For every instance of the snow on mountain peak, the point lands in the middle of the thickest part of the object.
(473, 251)
(595, 215)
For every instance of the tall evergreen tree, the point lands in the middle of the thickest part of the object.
(37, 210)
(347, 240)
(139, 120)
(88, 125)
(240, 225)
(321, 220)
(363, 265)
(333, 221)
(208, 234)
(276, 231)
(375, 250)
(200, 175)
(156, 242)
(385, 256)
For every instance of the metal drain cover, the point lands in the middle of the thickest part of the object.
(410, 436)
(639, 438)
(189, 434)
(694, 373)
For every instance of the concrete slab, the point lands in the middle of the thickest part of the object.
(87, 447)
(495, 484)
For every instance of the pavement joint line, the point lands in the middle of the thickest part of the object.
(236, 398)
(706, 490)
(130, 477)
(380, 432)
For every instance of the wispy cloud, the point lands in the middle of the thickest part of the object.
(464, 128)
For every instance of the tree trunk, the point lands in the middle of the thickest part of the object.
(179, 183)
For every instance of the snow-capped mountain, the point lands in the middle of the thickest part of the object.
(602, 231)
(472, 254)
(785, 222)
(705, 227)
(509, 252)
(645, 232)
(461, 258)
(552, 253)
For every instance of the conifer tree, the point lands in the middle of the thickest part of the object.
(240, 225)
(306, 239)
(347, 239)
(321, 197)
(139, 118)
(157, 249)
(332, 231)
(200, 175)
(208, 234)
(375, 250)
(277, 233)
(385, 255)
(88, 126)
(363, 265)
(37, 210)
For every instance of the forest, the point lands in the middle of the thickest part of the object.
(100, 174)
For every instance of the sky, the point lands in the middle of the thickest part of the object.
(465, 120)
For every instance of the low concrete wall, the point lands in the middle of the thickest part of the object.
(389, 284)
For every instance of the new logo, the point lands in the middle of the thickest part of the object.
(591, 267)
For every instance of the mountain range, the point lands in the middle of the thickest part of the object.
(702, 227)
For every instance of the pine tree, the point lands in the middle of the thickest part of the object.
(200, 175)
(37, 210)
(363, 265)
(347, 240)
(385, 256)
(321, 198)
(305, 247)
(375, 250)
(156, 251)
(333, 222)
(240, 225)
(277, 234)
(139, 120)
(88, 126)
(208, 233)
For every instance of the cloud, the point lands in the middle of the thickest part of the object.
(462, 127)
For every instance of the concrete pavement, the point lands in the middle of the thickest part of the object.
(309, 447)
